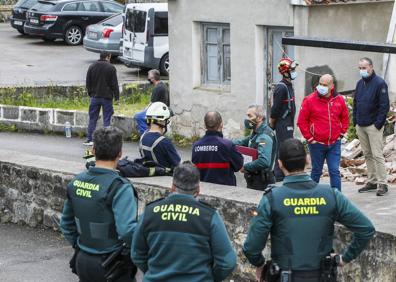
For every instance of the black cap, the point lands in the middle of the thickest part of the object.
(292, 150)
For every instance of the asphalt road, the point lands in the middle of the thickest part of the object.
(31, 61)
(62, 148)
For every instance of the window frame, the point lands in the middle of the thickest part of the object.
(223, 80)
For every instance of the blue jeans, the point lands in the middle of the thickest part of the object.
(94, 109)
(332, 155)
(140, 119)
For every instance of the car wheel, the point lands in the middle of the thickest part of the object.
(73, 35)
(164, 65)
(21, 31)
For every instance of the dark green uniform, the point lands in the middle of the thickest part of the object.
(300, 217)
(99, 214)
(180, 239)
(260, 172)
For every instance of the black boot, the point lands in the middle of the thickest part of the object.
(368, 187)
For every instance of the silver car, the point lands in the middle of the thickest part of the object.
(104, 36)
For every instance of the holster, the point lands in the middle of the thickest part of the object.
(118, 263)
(271, 272)
(328, 269)
(72, 262)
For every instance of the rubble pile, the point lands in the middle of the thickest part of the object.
(353, 165)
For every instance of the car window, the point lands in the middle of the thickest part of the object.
(161, 23)
(135, 21)
(89, 7)
(113, 20)
(26, 3)
(109, 7)
(70, 7)
(43, 6)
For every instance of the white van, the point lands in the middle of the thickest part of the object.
(145, 36)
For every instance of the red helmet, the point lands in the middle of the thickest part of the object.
(286, 65)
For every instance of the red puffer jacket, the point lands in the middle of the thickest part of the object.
(323, 119)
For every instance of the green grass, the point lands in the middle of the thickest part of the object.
(129, 104)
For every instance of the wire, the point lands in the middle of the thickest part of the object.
(300, 66)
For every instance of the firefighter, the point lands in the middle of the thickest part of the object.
(153, 145)
(283, 108)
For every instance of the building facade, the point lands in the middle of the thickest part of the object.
(224, 53)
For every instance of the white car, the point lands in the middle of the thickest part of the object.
(145, 36)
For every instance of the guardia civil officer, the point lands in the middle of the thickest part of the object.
(283, 108)
(216, 157)
(181, 239)
(153, 145)
(260, 172)
(100, 212)
(300, 217)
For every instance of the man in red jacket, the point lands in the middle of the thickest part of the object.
(323, 120)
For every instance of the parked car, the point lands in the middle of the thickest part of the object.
(145, 37)
(67, 19)
(18, 17)
(105, 36)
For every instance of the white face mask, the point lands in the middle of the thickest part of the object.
(322, 90)
(293, 75)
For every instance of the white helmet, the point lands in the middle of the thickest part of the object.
(158, 111)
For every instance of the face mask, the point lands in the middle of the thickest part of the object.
(323, 90)
(364, 73)
(293, 75)
(249, 124)
(150, 81)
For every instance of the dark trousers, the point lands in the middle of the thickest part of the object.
(94, 110)
(259, 180)
(332, 155)
(304, 276)
(284, 129)
(89, 268)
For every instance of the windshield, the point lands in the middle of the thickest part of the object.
(135, 21)
(26, 3)
(113, 21)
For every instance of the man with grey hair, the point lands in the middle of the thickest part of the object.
(260, 171)
(216, 157)
(180, 238)
(370, 108)
(159, 94)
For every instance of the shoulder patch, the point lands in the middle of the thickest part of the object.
(383, 90)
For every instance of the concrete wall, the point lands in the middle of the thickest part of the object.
(190, 99)
(30, 195)
(53, 120)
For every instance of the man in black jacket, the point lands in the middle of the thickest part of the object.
(370, 108)
(102, 87)
(159, 94)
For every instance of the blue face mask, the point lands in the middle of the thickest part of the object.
(322, 90)
(364, 73)
(293, 75)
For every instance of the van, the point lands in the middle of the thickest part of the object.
(145, 36)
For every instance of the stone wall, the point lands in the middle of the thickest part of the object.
(53, 120)
(5, 11)
(31, 196)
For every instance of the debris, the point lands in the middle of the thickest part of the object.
(354, 168)
(360, 180)
(352, 150)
